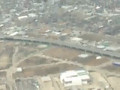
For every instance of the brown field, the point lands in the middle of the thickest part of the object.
(24, 51)
(91, 61)
(2, 77)
(35, 60)
(114, 82)
(63, 53)
(45, 70)
(6, 54)
(112, 68)
(92, 37)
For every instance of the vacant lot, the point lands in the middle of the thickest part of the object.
(92, 61)
(114, 82)
(45, 70)
(112, 68)
(23, 52)
(2, 77)
(92, 37)
(6, 54)
(63, 53)
(28, 49)
(35, 60)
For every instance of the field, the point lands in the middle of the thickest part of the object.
(42, 60)
(63, 53)
(34, 61)
(114, 82)
(6, 53)
(45, 70)
(92, 61)
(111, 68)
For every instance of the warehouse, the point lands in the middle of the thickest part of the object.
(75, 78)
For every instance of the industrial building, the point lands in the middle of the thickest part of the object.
(74, 78)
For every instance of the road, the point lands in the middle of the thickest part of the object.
(64, 44)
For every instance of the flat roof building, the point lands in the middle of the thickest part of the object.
(74, 77)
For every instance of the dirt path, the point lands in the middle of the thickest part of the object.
(14, 55)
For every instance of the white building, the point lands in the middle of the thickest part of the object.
(74, 77)
(22, 17)
(76, 39)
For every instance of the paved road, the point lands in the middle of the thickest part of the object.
(65, 44)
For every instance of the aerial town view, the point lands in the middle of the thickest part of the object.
(59, 44)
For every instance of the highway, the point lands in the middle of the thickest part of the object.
(64, 44)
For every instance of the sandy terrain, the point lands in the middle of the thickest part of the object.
(6, 54)
(92, 37)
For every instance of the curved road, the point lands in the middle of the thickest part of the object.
(64, 44)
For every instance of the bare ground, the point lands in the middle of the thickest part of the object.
(35, 60)
(45, 70)
(63, 53)
(112, 68)
(92, 61)
(114, 82)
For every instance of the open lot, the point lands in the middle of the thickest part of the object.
(92, 61)
(98, 81)
(114, 82)
(24, 51)
(45, 70)
(63, 53)
(92, 37)
(35, 60)
(112, 68)
(72, 55)
(2, 77)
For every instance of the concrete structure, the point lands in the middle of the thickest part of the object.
(19, 69)
(27, 84)
(74, 78)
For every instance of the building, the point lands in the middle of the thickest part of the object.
(76, 39)
(74, 78)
